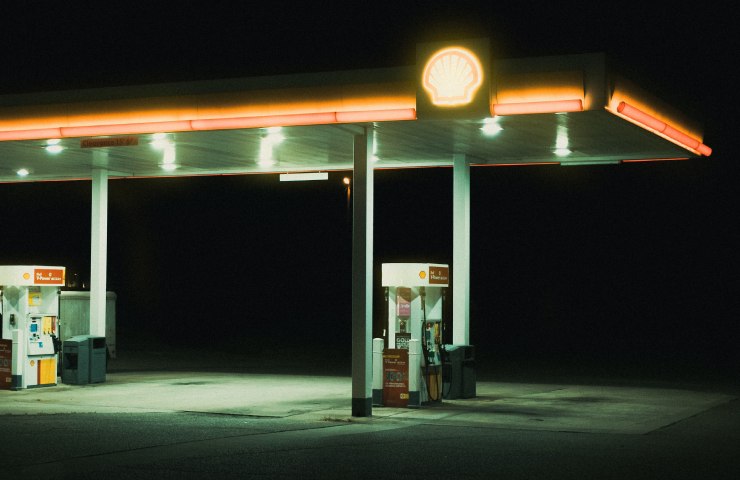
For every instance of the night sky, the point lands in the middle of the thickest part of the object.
(628, 266)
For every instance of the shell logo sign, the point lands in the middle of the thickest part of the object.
(452, 76)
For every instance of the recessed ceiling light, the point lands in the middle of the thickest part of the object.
(161, 141)
(491, 127)
(54, 148)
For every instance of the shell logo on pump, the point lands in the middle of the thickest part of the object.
(422, 274)
(452, 76)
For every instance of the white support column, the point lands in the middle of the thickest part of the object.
(362, 277)
(461, 251)
(98, 246)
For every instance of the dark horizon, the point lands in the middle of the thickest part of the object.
(569, 265)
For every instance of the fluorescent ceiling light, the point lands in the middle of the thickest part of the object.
(491, 127)
(54, 148)
(303, 177)
(562, 142)
(169, 155)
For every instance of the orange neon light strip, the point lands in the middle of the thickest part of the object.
(525, 108)
(125, 129)
(264, 121)
(31, 134)
(377, 115)
(320, 118)
(651, 123)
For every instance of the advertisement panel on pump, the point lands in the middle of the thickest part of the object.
(395, 378)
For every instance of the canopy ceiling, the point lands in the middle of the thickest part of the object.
(200, 128)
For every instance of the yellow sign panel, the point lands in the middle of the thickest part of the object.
(34, 296)
(452, 76)
(453, 80)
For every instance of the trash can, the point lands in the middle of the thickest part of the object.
(98, 359)
(458, 372)
(84, 360)
(468, 372)
(452, 372)
(76, 360)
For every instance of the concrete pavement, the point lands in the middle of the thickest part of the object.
(172, 423)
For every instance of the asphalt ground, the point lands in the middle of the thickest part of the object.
(158, 417)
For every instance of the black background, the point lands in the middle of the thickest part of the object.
(629, 267)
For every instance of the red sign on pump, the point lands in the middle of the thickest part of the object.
(439, 275)
(396, 378)
(48, 276)
(6, 360)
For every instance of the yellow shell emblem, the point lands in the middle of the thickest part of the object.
(452, 76)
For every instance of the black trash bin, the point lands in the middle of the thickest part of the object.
(468, 372)
(458, 372)
(98, 359)
(76, 360)
(84, 360)
(452, 372)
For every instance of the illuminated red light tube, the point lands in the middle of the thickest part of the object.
(377, 115)
(663, 128)
(265, 121)
(525, 108)
(34, 134)
(125, 129)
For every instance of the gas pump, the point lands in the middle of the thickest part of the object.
(415, 294)
(30, 324)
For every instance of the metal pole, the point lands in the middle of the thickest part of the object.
(362, 277)
(461, 251)
(98, 247)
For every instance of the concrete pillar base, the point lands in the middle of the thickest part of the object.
(414, 400)
(362, 407)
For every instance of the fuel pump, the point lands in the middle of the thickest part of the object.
(411, 360)
(30, 324)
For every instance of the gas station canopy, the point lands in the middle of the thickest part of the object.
(455, 108)
(567, 110)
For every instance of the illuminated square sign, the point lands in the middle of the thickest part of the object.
(453, 80)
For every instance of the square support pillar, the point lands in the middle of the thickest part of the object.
(362, 277)
(98, 247)
(461, 250)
